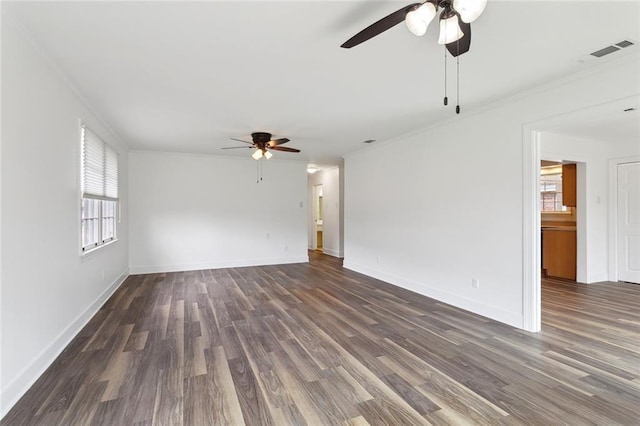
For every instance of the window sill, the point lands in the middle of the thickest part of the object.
(86, 255)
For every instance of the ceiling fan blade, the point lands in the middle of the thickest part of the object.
(284, 148)
(461, 46)
(278, 142)
(240, 140)
(380, 26)
(236, 147)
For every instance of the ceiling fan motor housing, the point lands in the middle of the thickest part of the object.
(261, 138)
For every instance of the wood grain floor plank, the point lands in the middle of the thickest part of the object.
(317, 344)
(253, 403)
(291, 380)
(169, 397)
(84, 404)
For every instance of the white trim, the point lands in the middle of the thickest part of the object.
(531, 300)
(333, 253)
(2, 406)
(613, 213)
(237, 263)
(510, 318)
(583, 272)
(10, 395)
(88, 254)
(599, 277)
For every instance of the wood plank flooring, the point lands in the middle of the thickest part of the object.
(319, 345)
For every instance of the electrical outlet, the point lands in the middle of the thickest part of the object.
(268, 235)
(286, 248)
(475, 282)
(377, 259)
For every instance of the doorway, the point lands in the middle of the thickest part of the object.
(317, 217)
(598, 201)
(558, 219)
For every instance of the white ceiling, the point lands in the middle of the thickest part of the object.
(187, 76)
(614, 122)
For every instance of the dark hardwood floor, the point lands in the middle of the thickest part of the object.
(319, 345)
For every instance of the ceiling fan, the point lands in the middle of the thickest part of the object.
(455, 31)
(455, 28)
(262, 143)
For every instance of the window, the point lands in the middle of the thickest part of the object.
(99, 186)
(551, 189)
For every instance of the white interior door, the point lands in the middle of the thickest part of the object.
(629, 222)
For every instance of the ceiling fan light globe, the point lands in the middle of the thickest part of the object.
(257, 154)
(415, 24)
(469, 10)
(450, 30)
(268, 154)
(418, 20)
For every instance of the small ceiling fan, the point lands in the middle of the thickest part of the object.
(262, 143)
(455, 31)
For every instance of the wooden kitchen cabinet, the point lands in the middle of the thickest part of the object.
(559, 253)
(569, 185)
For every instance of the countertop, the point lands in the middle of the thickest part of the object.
(558, 228)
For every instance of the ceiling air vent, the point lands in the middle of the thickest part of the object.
(610, 49)
(602, 52)
(624, 43)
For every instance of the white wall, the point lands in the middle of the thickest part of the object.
(446, 204)
(48, 290)
(623, 149)
(332, 208)
(197, 212)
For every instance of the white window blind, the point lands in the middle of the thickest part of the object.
(99, 186)
(99, 168)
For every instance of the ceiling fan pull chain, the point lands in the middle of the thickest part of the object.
(458, 80)
(258, 171)
(446, 100)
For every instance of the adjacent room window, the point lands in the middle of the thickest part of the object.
(99, 186)
(551, 189)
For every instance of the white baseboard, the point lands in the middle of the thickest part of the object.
(239, 263)
(333, 253)
(599, 277)
(509, 318)
(27, 377)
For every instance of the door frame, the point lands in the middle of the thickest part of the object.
(613, 212)
(531, 259)
(314, 212)
(531, 220)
